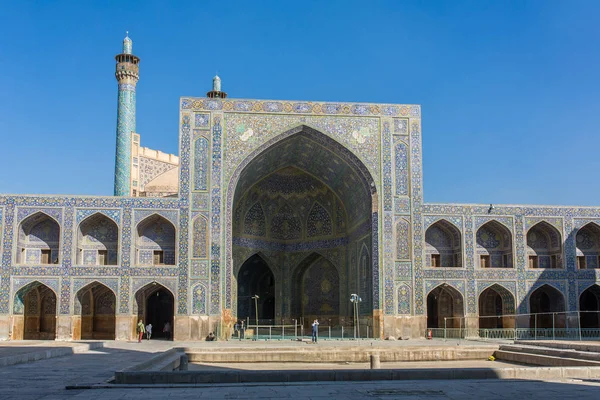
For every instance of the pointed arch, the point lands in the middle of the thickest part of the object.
(96, 305)
(318, 222)
(97, 241)
(587, 241)
(496, 302)
(589, 307)
(256, 277)
(443, 244)
(38, 240)
(37, 303)
(255, 221)
(200, 237)
(155, 241)
(315, 288)
(155, 304)
(494, 245)
(320, 160)
(544, 246)
(544, 300)
(445, 307)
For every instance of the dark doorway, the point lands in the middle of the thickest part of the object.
(159, 311)
(589, 305)
(544, 301)
(445, 308)
(255, 278)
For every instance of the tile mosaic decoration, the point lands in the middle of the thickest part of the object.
(199, 299)
(201, 163)
(404, 299)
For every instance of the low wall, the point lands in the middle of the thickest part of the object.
(333, 355)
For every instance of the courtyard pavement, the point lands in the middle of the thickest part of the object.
(46, 379)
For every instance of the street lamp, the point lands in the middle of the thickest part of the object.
(355, 299)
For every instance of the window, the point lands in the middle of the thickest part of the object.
(505, 260)
(485, 262)
(102, 257)
(159, 257)
(580, 262)
(554, 261)
(46, 256)
(436, 260)
(533, 262)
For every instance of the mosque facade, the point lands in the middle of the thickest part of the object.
(285, 209)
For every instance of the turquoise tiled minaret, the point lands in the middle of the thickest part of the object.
(127, 75)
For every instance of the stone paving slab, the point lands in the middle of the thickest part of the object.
(413, 390)
(18, 352)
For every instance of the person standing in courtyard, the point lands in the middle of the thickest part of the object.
(167, 330)
(315, 330)
(140, 330)
(241, 325)
(148, 331)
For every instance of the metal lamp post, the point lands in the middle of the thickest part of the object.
(355, 299)
(255, 297)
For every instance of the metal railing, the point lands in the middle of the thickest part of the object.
(567, 325)
(297, 331)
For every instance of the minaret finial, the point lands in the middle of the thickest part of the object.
(127, 44)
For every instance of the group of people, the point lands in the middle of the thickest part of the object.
(239, 331)
(147, 329)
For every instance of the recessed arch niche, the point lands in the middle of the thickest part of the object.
(302, 193)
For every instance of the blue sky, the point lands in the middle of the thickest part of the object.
(509, 89)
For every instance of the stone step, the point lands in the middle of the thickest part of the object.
(554, 352)
(545, 360)
(593, 347)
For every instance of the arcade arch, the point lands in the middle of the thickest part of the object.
(544, 301)
(97, 241)
(95, 304)
(443, 245)
(34, 313)
(544, 246)
(589, 305)
(445, 303)
(587, 241)
(39, 240)
(495, 304)
(155, 241)
(494, 246)
(155, 304)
